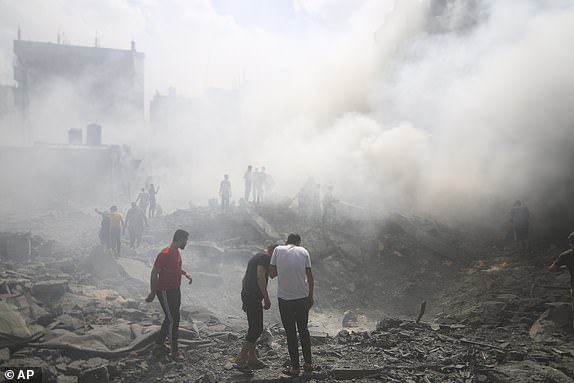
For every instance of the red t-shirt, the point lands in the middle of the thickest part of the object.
(168, 262)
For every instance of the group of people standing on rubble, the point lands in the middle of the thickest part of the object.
(289, 263)
(258, 183)
(113, 226)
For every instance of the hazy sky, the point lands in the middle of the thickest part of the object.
(192, 44)
(395, 107)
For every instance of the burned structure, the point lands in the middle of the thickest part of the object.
(71, 86)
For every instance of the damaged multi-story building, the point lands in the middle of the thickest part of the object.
(71, 86)
(60, 89)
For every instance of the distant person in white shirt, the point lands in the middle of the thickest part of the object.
(291, 265)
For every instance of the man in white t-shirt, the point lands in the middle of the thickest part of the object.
(291, 265)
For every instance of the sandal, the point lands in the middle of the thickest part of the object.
(307, 369)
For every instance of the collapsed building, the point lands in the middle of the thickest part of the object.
(80, 314)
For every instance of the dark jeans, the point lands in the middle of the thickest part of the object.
(296, 313)
(116, 239)
(170, 301)
(254, 309)
(135, 235)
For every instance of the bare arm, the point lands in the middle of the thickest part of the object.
(153, 284)
(187, 275)
(262, 283)
(272, 271)
(311, 282)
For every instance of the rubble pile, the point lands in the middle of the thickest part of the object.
(491, 315)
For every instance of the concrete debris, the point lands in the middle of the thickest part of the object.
(79, 313)
(95, 375)
(49, 291)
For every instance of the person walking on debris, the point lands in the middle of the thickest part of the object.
(248, 176)
(152, 192)
(291, 265)
(143, 200)
(117, 225)
(329, 209)
(566, 262)
(520, 218)
(225, 193)
(253, 291)
(135, 221)
(104, 233)
(165, 283)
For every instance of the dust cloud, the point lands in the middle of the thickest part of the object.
(452, 109)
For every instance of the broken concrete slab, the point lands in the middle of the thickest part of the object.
(49, 291)
(104, 341)
(95, 375)
(66, 379)
(103, 265)
(263, 226)
(437, 245)
(556, 319)
(135, 268)
(13, 328)
(525, 372)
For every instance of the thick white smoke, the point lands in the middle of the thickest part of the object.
(450, 108)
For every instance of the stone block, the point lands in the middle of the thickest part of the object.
(49, 291)
(95, 375)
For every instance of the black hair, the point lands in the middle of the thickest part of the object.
(270, 248)
(179, 235)
(293, 239)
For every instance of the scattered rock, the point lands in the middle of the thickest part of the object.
(94, 375)
(49, 291)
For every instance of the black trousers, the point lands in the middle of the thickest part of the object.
(116, 239)
(135, 235)
(170, 301)
(295, 315)
(254, 309)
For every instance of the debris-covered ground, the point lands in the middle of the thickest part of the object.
(491, 315)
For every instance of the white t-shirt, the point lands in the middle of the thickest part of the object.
(291, 262)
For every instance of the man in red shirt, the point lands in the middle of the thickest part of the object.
(165, 281)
